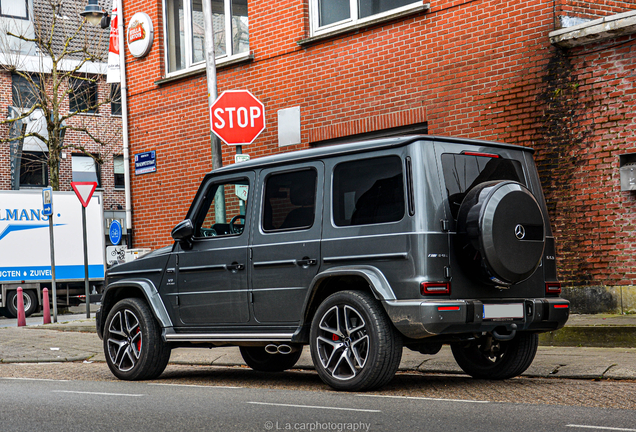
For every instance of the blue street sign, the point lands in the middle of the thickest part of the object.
(114, 233)
(47, 201)
(145, 162)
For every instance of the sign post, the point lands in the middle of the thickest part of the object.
(84, 191)
(47, 210)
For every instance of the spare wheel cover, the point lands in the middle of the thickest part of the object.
(512, 232)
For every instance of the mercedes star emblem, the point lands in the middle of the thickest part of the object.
(520, 232)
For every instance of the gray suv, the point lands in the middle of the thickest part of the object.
(356, 250)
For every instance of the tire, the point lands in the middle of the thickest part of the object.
(501, 233)
(30, 303)
(354, 346)
(487, 358)
(260, 360)
(133, 345)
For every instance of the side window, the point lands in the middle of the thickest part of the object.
(223, 212)
(462, 172)
(368, 191)
(290, 201)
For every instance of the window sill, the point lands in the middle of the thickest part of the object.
(365, 24)
(595, 31)
(199, 69)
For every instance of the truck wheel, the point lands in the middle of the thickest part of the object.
(133, 345)
(30, 303)
(354, 346)
(488, 358)
(260, 360)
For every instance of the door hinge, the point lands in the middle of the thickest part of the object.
(176, 300)
(251, 297)
(445, 225)
(447, 273)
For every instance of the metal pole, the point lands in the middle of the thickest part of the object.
(86, 288)
(124, 120)
(210, 70)
(53, 285)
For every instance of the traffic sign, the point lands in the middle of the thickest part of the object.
(84, 191)
(47, 201)
(114, 233)
(237, 117)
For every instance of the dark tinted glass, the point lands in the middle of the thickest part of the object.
(83, 96)
(290, 201)
(33, 170)
(369, 191)
(115, 99)
(25, 93)
(463, 172)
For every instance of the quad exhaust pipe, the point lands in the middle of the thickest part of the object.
(279, 349)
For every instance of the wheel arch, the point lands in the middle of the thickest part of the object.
(360, 278)
(133, 288)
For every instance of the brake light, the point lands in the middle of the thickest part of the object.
(553, 288)
(561, 306)
(428, 288)
(447, 308)
(490, 155)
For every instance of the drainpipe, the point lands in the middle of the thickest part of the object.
(124, 120)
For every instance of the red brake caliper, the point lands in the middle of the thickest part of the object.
(139, 341)
(334, 337)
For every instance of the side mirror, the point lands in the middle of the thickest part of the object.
(183, 233)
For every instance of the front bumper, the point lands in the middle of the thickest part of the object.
(424, 318)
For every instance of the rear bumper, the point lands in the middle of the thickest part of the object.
(424, 318)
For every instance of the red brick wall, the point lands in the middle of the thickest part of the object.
(594, 9)
(474, 69)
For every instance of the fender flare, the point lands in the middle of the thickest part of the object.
(150, 293)
(378, 283)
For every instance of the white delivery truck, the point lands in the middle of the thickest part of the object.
(25, 255)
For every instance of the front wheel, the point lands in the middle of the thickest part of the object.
(489, 358)
(354, 346)
(132, 342)
(30, 303)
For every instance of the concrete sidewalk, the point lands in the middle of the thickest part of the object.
(75, 340)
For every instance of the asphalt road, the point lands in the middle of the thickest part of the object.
(84, 396)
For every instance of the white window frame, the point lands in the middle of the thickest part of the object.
(190, 65)
(353, 20)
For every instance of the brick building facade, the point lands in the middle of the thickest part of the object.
(103, 122)
(480, 69)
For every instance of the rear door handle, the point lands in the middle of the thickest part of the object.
(305, 262)
(235, 266)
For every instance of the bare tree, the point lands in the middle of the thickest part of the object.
(55, 60)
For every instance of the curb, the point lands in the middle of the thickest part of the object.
(591, 336)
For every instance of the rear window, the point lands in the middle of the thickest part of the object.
(462, 172)
(369, 191)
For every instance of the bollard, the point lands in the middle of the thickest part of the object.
(46, 307)
(21, 317)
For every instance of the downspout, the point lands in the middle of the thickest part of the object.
(124, 120)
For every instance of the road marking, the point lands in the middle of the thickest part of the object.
(424, 398)
(194, 385)
(314, 407)
(601, 427)
(33, 379)
(97, 393)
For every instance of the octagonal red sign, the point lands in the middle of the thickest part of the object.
(237, 117)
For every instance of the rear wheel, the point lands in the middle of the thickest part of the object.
(132, 342)
(30, 303)
(354, 346)
(260, 360)
(489, 358)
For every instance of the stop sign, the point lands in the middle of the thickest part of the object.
(237, 117)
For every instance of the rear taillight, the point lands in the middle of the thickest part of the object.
(428, 288)
(553, 288)
(480, 154)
